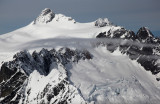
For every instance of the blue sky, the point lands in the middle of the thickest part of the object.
(131, 14)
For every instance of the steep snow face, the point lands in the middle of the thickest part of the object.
(53, 88)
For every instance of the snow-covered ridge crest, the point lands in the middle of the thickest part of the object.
(46, 16)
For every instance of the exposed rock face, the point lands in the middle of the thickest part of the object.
(14, 73)
(143, 46)
(101, 35)
(102, 22)
(120, 33)
(145, 35)
(46, 16)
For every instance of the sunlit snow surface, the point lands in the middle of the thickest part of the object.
(114, 78)
(107, 78)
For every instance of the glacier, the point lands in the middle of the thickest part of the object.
(57, 60)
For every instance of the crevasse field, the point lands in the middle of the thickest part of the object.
(107, 78)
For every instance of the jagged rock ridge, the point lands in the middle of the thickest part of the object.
(46, 16)
(143, 46)
(14, 73)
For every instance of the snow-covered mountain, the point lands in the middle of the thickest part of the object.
(56, 60)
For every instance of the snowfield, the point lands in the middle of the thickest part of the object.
(107, 78)
(114, 78)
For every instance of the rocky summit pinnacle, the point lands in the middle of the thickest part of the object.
(101, 22)
(45, 16)
(144, 33)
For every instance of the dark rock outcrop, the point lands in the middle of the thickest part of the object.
(143, 46)
(14, 73)
(116, 34)
(145, 35)
(46, 16)
(101, 35)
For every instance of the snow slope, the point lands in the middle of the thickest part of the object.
(107, 78)
(60, 27)
(114, 78)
